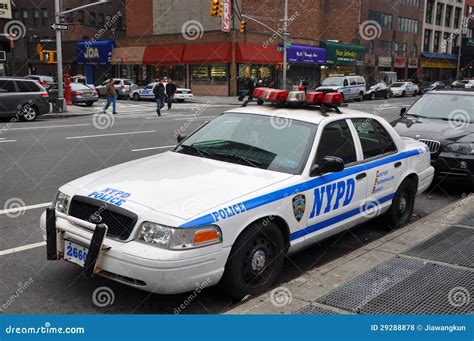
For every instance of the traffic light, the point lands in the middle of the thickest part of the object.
(215, 5)
(220, 9)
(243, 26)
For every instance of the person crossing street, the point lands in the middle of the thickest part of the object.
(170, 91)
(160, 95)
(111, 95)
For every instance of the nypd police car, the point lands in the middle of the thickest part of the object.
(238, 195)
(180, 95)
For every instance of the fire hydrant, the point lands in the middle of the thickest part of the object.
(67, 89)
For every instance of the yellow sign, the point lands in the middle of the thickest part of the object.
(49, 57)
(438, 63)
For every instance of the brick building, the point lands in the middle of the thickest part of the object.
(467, 53)
(101, 22)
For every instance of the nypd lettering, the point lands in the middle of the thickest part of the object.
(111, 195)
(228, 212)
(336, 195)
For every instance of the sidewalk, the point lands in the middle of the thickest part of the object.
(424, 268)
(74, 111)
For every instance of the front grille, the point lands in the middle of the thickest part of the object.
(433, 145)
(119, 221)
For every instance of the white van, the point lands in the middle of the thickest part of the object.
(351, 87)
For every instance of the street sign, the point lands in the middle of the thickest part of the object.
(58, 26)
(5, 9)
(226, 16)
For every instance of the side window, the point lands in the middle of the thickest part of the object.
(106, 82)
(7, 86)
(117, 82)
(360, 81)
(374, 138)
(353, 81)
(336, 140)
(346, 82)
(27, 86)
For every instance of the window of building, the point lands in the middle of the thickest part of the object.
(446, 39)
(24, 14)
(385, 48)
(385, 20)
(16, 14)
(414, 51)
(426, 42)
(93, 20)
(400, 49)
(212, 73)
(429, 11)
(436, 42)
(44, 16)
(36, 16)
(101, 19)
(457, 17)
(449, 12)
(439, 13)
(414, 3)
(407, 25)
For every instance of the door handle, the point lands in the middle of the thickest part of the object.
(398, 164)
(361, 176)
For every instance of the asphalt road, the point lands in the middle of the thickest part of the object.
(37, 158)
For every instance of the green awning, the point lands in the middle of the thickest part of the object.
(342, 54)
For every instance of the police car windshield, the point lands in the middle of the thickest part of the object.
(397, 85)
(450, 107)
(256, 141)
(333, 81)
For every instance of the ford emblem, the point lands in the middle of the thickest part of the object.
(95, 218)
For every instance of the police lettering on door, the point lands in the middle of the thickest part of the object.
(332, 196)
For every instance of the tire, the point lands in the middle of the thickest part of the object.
(136, 97)
(361, 97)
(28, 112)
(89, 104)
(404, 94)
(387, 95)
(403, 203)
(255, 261)
(415, 93)
(372, 96)
(180, 100)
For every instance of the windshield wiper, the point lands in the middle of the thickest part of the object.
(201, 152)
(249, 161)
(417, 116)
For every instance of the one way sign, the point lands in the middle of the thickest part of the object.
(58, 27)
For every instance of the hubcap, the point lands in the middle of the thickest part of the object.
(402, 206)
(259, 259)
(28, 112)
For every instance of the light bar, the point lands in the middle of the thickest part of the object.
(277, 96)
(296, 97)
(259, 93)
(333, 99)
(315, 98)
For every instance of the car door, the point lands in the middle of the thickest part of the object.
(334, 202)
(8, 97)
(383, 171)
(147, 92)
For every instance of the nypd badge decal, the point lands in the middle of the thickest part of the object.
(299, 206)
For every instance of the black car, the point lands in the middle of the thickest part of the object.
(379, 90)
(22, 97)
(444, 120)
(434, 86)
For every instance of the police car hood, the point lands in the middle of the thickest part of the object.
(176, 184)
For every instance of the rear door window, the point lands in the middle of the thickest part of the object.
(374, 139)
(7, 86)
(25, 86)
(353, 81)
(336, 140)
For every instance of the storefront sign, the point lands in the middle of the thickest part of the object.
(342, 54)
(385, 61)
(304, 54)
(400, 62)
(438, 63)
(226, 15)
(98, 52)
(413, 63)
(5, 9)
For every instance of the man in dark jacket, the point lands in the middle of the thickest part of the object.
(170, 91)
(250, 88)
(160, 94)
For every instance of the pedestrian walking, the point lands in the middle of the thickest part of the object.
(170, 91)
(250, 88)
(111, 95)
(160, 94)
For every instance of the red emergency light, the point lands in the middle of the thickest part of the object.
(277, 96)
(333, 99)
(259, 93)
(315, 97)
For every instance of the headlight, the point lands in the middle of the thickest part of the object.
(171, 238)
(461, 148)
(61, 203)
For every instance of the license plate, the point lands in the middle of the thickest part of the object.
(184, 91)
(87, 94)
(75, 253)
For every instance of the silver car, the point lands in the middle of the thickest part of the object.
(123, 87)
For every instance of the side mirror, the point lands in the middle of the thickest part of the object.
(329, 164)
(180, 137)
(403, 112)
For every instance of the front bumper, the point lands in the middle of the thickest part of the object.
(136, 264)
(452, 166)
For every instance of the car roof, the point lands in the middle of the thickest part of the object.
(308, 114)
(460, 92)
(11, 78)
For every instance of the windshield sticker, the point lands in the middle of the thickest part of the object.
(338, 194)
(110, 195)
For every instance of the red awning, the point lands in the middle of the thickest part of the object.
(172, 54)
(208, 53)
(257, 54)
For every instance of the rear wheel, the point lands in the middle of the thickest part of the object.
(180, 100)
(372, 96)
(404, 94)
(89, 104)
(387, 95)
(136, 97)
(255, 261)
(360, 98)
(403, 204)
(415, 93)
(28, 112)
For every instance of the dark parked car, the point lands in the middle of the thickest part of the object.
(434, 86)
(379, 90)
(80, 93)
(23, 97)
(444, 120)
(459, 84)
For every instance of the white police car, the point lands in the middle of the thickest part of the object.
(180, 95)
(351, 87)
(233, 199)
(402, 89)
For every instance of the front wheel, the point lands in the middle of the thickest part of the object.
(361, 97)
(136, 97)
(372, 96)
(415, 93)
(180, 100)
(387, 95)
(28, 113)
(255, 261)
(404, 94)
(403, 204)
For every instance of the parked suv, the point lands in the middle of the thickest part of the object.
(122, 86)
(23, 97)
(43, 80)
